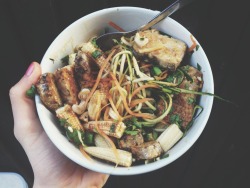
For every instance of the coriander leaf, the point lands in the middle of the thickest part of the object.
(96, 54)
(198, 67)
(65, 60)
(93, 41)
(191, 100)
(175, 118)
(131, 132)
(112, 128)
(89, 138)
(73, 135)
(197, 47)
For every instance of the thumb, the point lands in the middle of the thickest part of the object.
(26, 122)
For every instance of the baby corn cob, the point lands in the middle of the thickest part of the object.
(66, 113)
(124, 157)
(96, 53)
(108, 127)
(101, 142)
(170, 137)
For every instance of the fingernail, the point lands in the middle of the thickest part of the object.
(29, 70)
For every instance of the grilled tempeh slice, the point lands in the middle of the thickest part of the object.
(66, 113)
(124, 157)
(168, 52)
(147, 150)
(127, 141)
(170, 137)
(96, 53)
(48, 92)
(66, 84)
(183, 103)
(108, 127)
(85, 72)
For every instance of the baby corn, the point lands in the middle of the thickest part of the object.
(124, 157)
(170, 137)
(101, 142)
(108, 127)
(66, 113)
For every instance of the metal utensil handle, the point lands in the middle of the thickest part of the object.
(166, 12)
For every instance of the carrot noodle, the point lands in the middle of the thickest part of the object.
(127, 117)
(143, 115)
(194, 44)
(162, 76)
(138, 101)
(106, 116)
(85, 154)
(143, 87)
(115, 26)
(98, 79)
(146, 66)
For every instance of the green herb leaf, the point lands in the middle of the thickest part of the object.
(149, 137)
(93, 41)
(96, 54)
(156, 71)
(63, 122)
(197, 47)
(198, 67)
(112, 128)
(188, 77)
(89, 138)
(136, 123)
(175, 118)
(31, 92)
(191, 100)
(73, 135)
(166, 155)
(175, 77)
(155, 135)
(131, 132)
(65, 60)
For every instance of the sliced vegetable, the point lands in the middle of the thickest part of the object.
(170, 137)
(124, 157)
(115, 129)
(164, 114)
(156, 71)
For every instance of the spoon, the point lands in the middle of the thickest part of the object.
(106, 41)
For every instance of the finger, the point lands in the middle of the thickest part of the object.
(24, 112)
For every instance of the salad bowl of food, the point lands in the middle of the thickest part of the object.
(129, 110)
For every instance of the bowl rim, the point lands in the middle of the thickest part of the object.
(140, 169)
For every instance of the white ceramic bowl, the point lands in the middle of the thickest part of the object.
(93, 24)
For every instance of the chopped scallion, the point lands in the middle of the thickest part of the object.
(31, 92)
(96, 54)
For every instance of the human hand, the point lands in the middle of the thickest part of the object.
(51, 168)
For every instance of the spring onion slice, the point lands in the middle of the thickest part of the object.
(180, 90)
